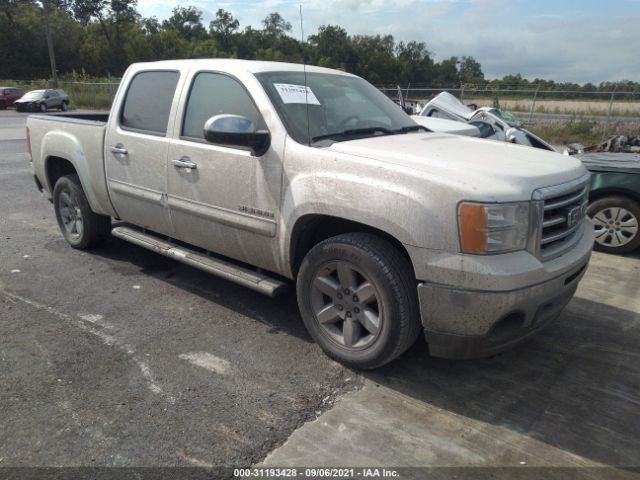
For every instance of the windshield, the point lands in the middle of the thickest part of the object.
(340, 107)
(510, 118)
(34, 94)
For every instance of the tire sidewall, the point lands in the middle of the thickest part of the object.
(388, 293)
(43, 107)
(616, 201)
(72, 185)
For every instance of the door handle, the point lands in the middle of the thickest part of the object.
(119, 150)
(184, 162)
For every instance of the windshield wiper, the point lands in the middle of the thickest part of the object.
(412, 128)
(355, 131)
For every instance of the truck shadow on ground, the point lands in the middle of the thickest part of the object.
(280, 314)
(575, 386)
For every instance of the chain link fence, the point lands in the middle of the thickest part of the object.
(597, 113)
(611, 111)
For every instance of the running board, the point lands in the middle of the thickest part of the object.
(216, 266)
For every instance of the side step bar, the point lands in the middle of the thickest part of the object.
(222, 268)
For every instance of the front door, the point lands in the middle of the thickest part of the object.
(222, 198)
(136, 151)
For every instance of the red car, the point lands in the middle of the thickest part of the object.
(8, 95)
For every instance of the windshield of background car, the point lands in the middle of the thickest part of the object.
(33, 95)
(335, 103)
(510, 118)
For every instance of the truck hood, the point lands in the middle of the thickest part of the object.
(505, 171)
(446, 126)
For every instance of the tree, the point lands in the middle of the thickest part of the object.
(415, 62)
(86, 10)
(186, 22)
(446, 73)
(332, 47)
(275, 26)
(470, 71)
(374, 59)
(223, 27)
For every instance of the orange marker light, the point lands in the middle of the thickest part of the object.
(473, 224)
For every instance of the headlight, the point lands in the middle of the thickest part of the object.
(494, 227)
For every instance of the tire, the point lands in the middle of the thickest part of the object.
(616, 221)
(71, 206)
(365, 332)
(43, 107)
(3, 106)
(63, 107)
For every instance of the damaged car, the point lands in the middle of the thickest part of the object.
(492, 123)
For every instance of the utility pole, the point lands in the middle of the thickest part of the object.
(52, 57)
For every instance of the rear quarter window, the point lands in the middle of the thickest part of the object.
(148, 102)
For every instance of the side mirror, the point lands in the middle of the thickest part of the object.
(236, 130)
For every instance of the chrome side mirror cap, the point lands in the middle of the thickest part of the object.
(237, 131)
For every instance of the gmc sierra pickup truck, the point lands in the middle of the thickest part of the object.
(269, 174)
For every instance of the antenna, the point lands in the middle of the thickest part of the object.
(304, 69)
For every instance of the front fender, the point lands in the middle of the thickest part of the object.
(385, 203)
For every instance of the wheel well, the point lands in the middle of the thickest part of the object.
(597, 195)
(313, 229)
(56, 168)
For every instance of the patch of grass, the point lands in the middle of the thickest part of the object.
(578, 130)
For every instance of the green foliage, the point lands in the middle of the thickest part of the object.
(575, 130)
(102, 37)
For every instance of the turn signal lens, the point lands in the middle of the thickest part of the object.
(473, 228)
(493, 227)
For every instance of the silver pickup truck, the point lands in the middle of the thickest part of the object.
(268, 174)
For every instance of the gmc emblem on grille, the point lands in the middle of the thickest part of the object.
(574, 216)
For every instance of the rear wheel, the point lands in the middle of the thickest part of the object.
(81, 227)
(358, 299)
(63, 107)
(616, 222)
(3, 106)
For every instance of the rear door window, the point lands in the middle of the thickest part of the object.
(148, 102)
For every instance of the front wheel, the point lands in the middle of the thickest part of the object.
(81, 227)
(358, 299)
(43, 107)
(616, 222)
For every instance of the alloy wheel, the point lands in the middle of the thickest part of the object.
(70, 214)
(615, 226)
(346, 305)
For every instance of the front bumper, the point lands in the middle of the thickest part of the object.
(465, 323)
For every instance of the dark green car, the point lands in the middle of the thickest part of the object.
(614, 201)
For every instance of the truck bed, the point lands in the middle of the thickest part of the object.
(77, 117)
(77, 137)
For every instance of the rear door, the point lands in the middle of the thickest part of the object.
(136, 146)
(52, 98)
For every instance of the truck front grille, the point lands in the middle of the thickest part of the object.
(563, 208)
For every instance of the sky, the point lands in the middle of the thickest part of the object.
(564, 40)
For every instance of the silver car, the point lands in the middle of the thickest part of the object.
(43, 100)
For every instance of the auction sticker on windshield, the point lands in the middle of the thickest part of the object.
(296, 93)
